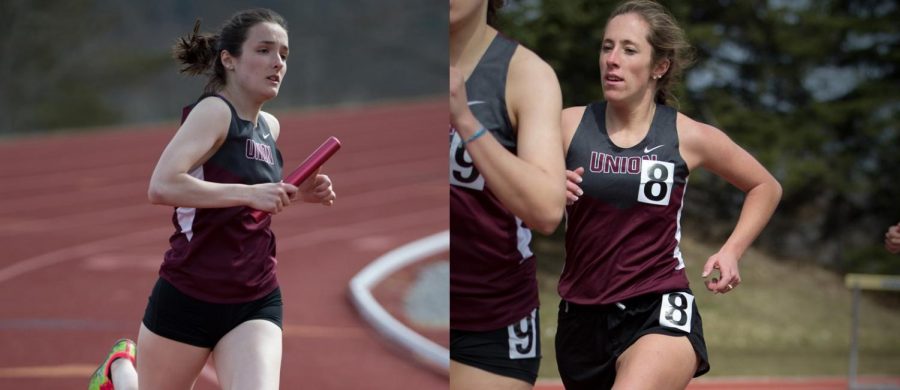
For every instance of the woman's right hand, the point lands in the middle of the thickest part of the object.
(459, 105)
(573, 191)
(892, 239)
(271, 197)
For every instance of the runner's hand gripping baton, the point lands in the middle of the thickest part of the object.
(307, 168)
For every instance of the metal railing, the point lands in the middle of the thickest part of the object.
(857, 283)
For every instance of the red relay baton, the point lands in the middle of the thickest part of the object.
(306, 168)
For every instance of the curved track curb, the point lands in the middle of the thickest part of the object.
(424, 350)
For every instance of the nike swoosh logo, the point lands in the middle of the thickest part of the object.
(266, 136)
(648, 150)
(474, 102)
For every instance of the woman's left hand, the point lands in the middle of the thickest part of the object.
(729, 275)
(318, 190)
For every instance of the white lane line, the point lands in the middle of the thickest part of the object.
(78, 251)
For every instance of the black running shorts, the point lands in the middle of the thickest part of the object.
(513, 351)
(176, 316)
(590, 338)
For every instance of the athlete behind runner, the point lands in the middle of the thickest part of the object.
(217, 293)
(627, 318)
(506, 178)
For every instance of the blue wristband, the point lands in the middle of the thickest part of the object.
(475, 136)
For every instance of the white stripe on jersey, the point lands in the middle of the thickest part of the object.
(523, 236)
(677, 252)
(186, 214)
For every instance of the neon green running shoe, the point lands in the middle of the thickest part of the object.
(123, 348)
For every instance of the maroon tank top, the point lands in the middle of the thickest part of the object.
(222, 255)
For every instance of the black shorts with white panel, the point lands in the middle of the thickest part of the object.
(513, 351)
(590, 338)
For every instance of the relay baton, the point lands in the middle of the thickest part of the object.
(307, 168)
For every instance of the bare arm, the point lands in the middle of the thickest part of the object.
(196, 141)
(531, 184)
(708, 147)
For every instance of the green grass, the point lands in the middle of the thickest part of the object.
(786, 319)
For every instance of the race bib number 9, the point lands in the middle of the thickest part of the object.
(657, 178)
(675, 311)
(523, 337)
(462, 169)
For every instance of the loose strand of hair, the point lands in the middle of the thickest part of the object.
(196, 51)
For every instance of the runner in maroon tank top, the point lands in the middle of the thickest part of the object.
(627, 316)
(217, 294)
(506, 178)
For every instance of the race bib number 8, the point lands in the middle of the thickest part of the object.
(657, 178)
(675, 311)
(462, 169)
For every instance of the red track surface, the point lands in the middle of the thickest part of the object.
(81, 245)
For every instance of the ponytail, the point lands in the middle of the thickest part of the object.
(492, 8)
(199, 55)
(196, 51)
